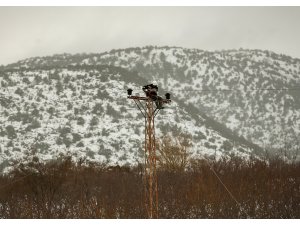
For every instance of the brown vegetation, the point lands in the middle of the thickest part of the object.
(173, 157)
(64, 189)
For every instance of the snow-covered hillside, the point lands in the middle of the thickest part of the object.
(255, 93)
(84, 110)
(78, 103)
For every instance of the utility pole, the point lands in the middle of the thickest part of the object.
(149, 106)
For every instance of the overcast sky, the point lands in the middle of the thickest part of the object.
(39, 31)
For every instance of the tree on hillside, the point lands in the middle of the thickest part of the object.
(11, 133)
(94, 122)
(59, 87)
(173, 154)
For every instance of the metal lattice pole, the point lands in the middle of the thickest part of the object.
(149, 112)
(150, 182)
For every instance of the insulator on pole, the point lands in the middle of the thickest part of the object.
(168, 95)
(129, 91)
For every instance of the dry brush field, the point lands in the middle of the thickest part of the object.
(67, 189)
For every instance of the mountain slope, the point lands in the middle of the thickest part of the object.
(261, 90)
(84, 110)
(255, 93)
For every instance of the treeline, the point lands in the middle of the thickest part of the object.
(67, 189)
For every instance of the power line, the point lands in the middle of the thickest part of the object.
(219, 179)
(252, 89)
(229, 192)
(21, 178)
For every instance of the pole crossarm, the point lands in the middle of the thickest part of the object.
(147, 98)
(138, 98)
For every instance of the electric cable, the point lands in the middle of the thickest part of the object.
(225, 187)
(252, 89)
(21, 178)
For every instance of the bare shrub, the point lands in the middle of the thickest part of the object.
(173, 155)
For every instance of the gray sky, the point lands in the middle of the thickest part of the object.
(39, 31)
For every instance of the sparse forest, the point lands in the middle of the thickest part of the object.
(66, 189)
